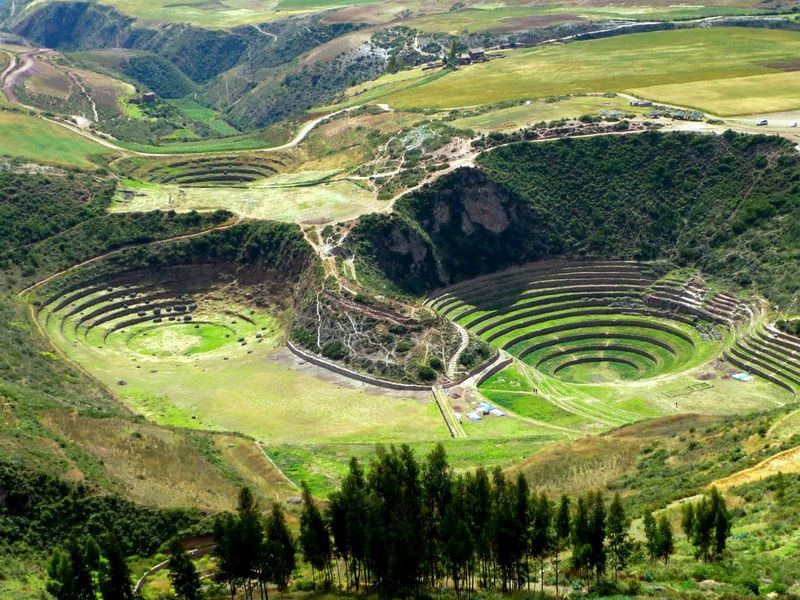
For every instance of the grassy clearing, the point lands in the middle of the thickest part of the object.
(227, 13)
(283, 198)
(32, 138)
(323, 465)
(203, 114)
(304, 5)
(728, 97)
(514, 117)
(630, 62)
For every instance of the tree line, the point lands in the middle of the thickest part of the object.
(403, 527)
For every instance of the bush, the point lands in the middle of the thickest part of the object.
(334, 350)
(425, 373)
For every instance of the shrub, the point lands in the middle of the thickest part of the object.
(425, 373)
(334, 350)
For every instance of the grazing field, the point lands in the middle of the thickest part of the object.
(227, 13)
(691, 57)
(514, 117)
(203, 114)
(498, 17)
(323, 465)
(296, 198)
(32, 138)
(728, 97)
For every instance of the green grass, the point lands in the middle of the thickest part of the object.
(729, 97)
(203, 114)
(31, 138)
(491, 17)
(298, 197)
(323, 465)
(217, 383)
(691, 58)
(227, 13)
(303, 5)
(514, 117)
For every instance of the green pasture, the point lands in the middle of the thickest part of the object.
(32, 138)
(309, 5)
(525, 115)
(729, 97)
(232, 143)
(500, 17)
(296, 198)
(691, 58)
(323, 465)
(203, 114)
(226, 13)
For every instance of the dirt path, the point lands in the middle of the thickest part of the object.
(262, 32)
(12, 76)
(86, 94)
(274, 466)
(95, 259)
(452, 365)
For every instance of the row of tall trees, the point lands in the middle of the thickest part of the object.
(403, 527)
(253, 552)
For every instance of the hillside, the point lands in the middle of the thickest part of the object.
(326, 299)
(726, 204)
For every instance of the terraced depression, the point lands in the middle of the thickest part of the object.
(186, 349)
(604, 343)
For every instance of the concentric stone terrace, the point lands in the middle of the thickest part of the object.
(593, 322)
(177, 314)
(771, 354)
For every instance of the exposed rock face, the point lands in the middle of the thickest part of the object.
(460, 227)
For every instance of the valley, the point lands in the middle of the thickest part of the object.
(410, 275)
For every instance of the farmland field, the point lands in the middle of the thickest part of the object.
(473, 16)
(203, 114)
(514, 117)
(267, 199)
(490, 17)
(684, 59)
(35, 139)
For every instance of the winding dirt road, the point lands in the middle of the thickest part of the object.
(19, 67)
(21, 64)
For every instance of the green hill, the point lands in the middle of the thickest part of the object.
(728, 205)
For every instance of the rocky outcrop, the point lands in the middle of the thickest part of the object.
(460, 227)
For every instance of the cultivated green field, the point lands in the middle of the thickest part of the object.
(514, 117)
(294, 198)
(472, 16)
(728, 97)
(32, 138)
(687, 60)
(203, 114)
(486, 17)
